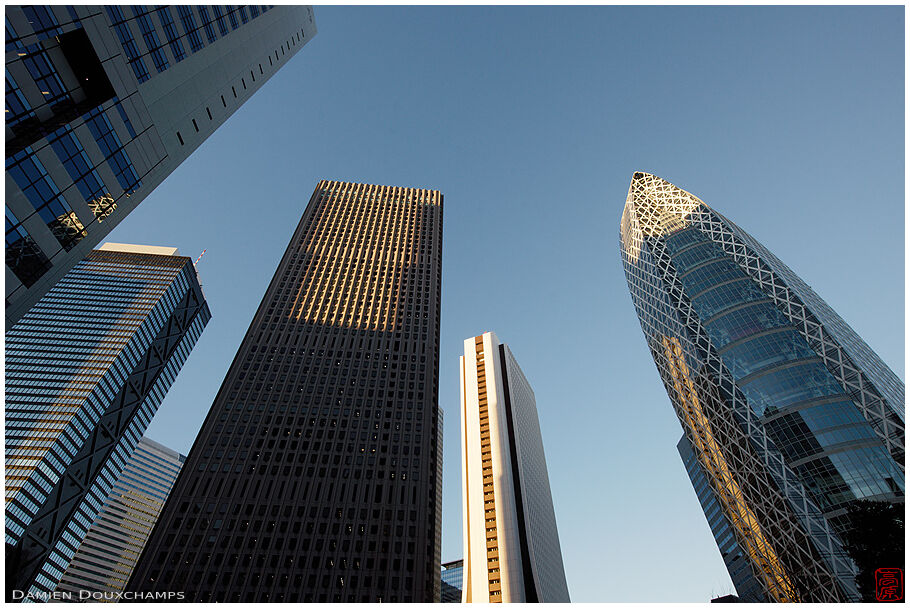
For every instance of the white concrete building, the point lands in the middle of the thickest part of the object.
(511, 544)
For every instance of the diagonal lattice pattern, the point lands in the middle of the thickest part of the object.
(681, 258)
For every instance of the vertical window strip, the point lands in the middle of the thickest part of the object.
(207, 23)
(103, 132)
(254, 11)
(125, 118)
(170, 32)
(23, 255)
(44, 74)
(190, 27)
(152, 41)
(232, 15)
(17, 107)
(134, 57)
(41, 191)
(42, 21)
(76, 162)
(219, 18)
(13, 43)
(242, 11)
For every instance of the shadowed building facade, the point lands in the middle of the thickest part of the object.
(104, 102)
(106, 558)
(315, 476)
(86, 370)
(788, 416)
(511, 543)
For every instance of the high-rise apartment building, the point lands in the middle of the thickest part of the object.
(104, 102)
(86, 369)
(786, 412)
(315, 474)
(106, 558)
(511, 544)
(450, 579)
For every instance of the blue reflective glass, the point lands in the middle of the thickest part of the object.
(170, 32)
(744, 322)
(727, 296)
(781, 388)
(682, 239)
(134, 57)
(765, 350)
(704, 277)
(690, 258)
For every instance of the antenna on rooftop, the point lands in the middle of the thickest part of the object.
(200, 257)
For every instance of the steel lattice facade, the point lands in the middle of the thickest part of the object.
(315, 476)
(86, 370)
(789, 414)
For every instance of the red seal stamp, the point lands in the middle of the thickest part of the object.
(889, 585)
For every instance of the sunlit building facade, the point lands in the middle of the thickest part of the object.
(86, 369)
(511, 543)
(109, 552)
(315, 476)
(104, 102)
(786, 411)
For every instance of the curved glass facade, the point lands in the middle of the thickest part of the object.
(788, 414)
(803, 408)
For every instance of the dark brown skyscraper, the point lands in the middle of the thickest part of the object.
(315, 476)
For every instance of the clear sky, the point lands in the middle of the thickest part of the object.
(531, 121)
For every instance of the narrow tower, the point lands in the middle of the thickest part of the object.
(511, 544)
(107, 556)
(786, 412)
(86, 369)
(315, 475)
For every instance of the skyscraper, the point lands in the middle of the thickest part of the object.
(106, 558)
(104, 102)
(86, 369)
(450, 578)
(511, 544)
(789, 414)
(315, 474)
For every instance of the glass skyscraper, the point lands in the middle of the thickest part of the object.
(104, 102)
(106, 558)
(315, 476)
(786, 412)
(450, 578)
(86, 369)
(511, 542)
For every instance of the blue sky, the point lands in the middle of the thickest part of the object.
(531, 121)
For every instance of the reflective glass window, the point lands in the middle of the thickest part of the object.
(765, 350)
(23, 256)
(45, 75)
(783, 387)
(42, 21)
(76, 162)
(704, 277)
(189, 26)
(682, 239)
(101, 128)
(134, 57)
(219, 19)
(743, 322)
(17, 107)
(727, 296)
(150, 36)
(207, 25)
(170, 32)
(690, 258)
(41, 191)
